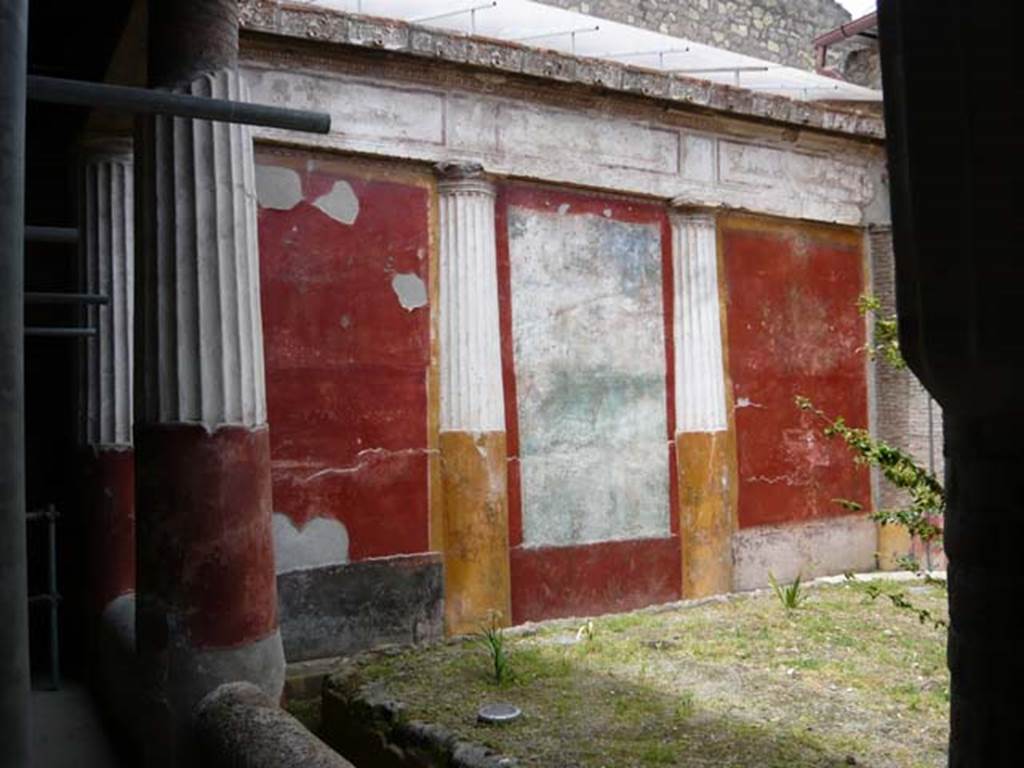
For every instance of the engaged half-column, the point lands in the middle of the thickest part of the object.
(472, 420)
(705, 438)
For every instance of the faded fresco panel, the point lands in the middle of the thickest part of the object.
(589, 351)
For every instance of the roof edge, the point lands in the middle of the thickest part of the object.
(392, 35)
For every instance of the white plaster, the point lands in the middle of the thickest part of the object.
(697, 331)
(698, 158)
(472, 396)
(321, 541)
(817, 548)
(586, 147)
(278, 188)
(410, 290)
(107, 252)
(201, 329)
(589, 354)
(341, 203)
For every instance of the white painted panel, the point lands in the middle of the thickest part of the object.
(589, 351)
(359, 110)
(546, 132)
(698, 158)
(579, 147)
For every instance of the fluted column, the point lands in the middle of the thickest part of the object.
(705, 436)
(472, 419)
(207, 593)
(107, 256)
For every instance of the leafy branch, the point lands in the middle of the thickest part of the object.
(927, 496)
(899, 600)
(885, 343)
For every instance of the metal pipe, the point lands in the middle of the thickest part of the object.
(15, 724)
(51, 536)
(35, 234)
(46, 297)
(840, 33)
(847, 30)
(54, 331)
(456, 12)
(557, 33)
(158, 102)
(702, 70)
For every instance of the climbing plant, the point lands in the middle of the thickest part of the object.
(927, 498)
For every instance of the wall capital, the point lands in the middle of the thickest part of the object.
(462, 176)
(683, 208)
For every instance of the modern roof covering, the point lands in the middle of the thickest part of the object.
(542, 26)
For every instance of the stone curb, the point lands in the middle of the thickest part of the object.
(360, 716)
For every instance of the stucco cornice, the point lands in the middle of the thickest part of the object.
(333, 27)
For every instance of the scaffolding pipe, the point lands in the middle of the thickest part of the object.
(45, 297)
(57, 90)
(54, 331)
(15, 737)
(36, 234)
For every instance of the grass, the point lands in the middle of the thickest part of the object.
(846, 680)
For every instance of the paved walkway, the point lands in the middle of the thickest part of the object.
(67, 731)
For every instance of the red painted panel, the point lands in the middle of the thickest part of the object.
(110, 489)
(794, 330)
(205, 552)
(346, 362)
(592, 579)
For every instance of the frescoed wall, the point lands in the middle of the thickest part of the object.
(586, 297)
(345, 260)
(587, 402)
(794, 329)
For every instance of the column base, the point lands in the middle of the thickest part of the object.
(110, 498)
(474, 481)
(207, 598)
(706, 464)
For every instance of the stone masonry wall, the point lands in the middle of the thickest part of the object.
(776, 30)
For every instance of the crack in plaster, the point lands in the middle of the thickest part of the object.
(363, 459)
(787, 479)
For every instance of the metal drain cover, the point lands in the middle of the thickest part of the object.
(496, 714)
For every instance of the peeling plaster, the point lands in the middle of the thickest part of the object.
(410, 290)
(320, 542)
(341, 203)
(811, 549)
(746, 402)
(277, 188)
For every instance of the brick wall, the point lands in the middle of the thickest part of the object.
(906, 416)
(776, 30)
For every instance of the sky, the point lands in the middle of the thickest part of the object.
(858, 8)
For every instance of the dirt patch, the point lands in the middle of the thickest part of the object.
(843, 680)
